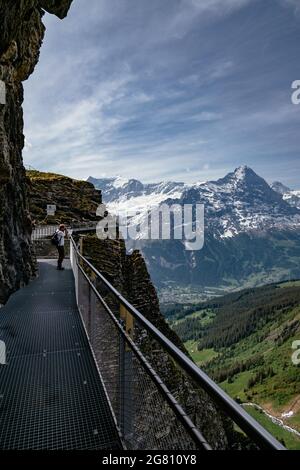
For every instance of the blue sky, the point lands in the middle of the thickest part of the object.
(182, 90)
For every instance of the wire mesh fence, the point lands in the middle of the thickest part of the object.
(154, 393)
(142, 405)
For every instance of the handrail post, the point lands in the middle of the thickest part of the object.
(126, 378)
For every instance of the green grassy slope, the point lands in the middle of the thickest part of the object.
(244, 341)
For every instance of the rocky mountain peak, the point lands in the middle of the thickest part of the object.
(243, 172)
(240, 202)
(280, 188)
(243, 175)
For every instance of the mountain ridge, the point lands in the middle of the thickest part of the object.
(240, 189)
(252, 232)
(292, 197)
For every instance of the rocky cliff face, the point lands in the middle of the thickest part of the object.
(21, 36)
(76, 201)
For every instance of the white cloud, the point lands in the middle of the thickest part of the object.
(292, 3)
(221, 69)
(190, 12)
(155, 88)
(216, 6)
(77, 124)
(27, 145)
(206, 116)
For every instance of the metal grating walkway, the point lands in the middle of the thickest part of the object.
(51, 396)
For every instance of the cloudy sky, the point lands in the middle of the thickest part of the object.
(167, 89)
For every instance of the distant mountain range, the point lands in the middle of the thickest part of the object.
(252, 229)
(240, 202)
(120, 191)
(291, 197)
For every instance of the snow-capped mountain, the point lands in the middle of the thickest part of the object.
(120, 193)
(239, 202)
(288, 195)
(252, 230)
(280, 188)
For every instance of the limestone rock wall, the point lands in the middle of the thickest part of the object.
(21, 36)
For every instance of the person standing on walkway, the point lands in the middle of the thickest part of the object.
(61, 233)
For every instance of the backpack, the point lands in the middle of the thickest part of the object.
(55, 239)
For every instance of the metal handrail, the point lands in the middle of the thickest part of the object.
(249, 425)
(194, 433)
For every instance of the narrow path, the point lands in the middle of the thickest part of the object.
(51, 396)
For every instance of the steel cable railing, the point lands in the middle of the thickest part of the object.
(43, 231)
(148, 380)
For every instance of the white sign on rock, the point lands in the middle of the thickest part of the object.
(2, 92)
(51, 209)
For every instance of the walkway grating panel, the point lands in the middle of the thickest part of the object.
(51, 396)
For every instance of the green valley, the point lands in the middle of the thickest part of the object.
(244, 341)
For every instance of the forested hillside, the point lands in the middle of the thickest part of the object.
(244, 341)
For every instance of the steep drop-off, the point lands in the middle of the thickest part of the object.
(247, 341)
(129, 274)
(21, 36)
